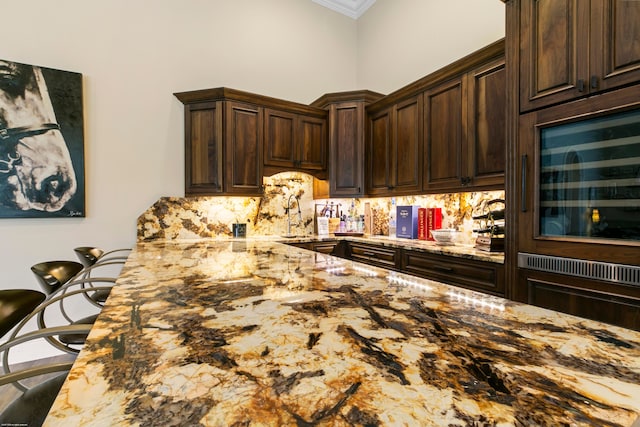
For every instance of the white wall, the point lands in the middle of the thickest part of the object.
(135, 54)
(400, 41)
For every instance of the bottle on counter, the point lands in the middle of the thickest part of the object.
(392, 218)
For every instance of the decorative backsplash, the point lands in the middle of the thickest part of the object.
(212, 217)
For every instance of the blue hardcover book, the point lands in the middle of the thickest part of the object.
(407, 222)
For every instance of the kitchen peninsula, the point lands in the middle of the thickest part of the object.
(224, 332)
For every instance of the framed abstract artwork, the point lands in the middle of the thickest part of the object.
(41, 142)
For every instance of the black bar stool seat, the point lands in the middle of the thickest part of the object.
(53, 274)
(15, 305)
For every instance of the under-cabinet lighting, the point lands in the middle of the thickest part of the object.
(475, 301)
(366, 271)
(398, 280)
(334, 270)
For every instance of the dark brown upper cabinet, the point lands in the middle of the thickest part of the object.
(234, 138)
(203, 148)
(347, 119)
(295, 141)
(575, 48)
(243, 142)
(223, 143)
(394, 151)
(465, 131)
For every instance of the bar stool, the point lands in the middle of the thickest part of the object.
(31, 407)
(55, 277)
(15, 305)
(92, 257)
(51, 275)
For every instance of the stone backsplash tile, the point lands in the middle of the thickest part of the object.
(211, 217)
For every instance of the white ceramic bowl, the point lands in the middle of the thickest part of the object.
(445, 236)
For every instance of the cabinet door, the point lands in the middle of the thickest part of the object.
(486, 138)
(604, 302)
(243, 143)
(279, 138)
(554, 51)
(311, 142)
(615, 43)
(445, 131)
(406, 146)
(379, 153)
(203, 148)
(471, 274)
(346, 145)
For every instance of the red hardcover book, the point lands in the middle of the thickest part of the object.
(434, 221)
(422, 224)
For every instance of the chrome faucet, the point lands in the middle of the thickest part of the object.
(289, 213)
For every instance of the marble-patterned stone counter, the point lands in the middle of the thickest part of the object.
(243, 333)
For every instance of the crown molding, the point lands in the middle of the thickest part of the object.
(351, 8)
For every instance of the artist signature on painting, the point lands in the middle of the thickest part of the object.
(75, 213)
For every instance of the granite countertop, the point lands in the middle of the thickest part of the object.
(239, 333)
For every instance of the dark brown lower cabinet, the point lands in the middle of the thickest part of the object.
(477, 275)
(325, 246)
(472, 274)
(606, 302)
(372, 254)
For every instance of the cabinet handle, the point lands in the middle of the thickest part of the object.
(523, 190)
(358, 189)
(580, 85)
(594, 82)
(368, 254)
(442, 268)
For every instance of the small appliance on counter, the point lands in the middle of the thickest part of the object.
(491, 227)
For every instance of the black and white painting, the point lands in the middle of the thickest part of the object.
(41, 142)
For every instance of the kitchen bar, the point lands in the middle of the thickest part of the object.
(255, 332)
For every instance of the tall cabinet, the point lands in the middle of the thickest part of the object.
(573, 129)
(575, 48)
(347, 118)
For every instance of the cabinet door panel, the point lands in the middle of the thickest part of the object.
(312, 143)
(378, 153)
(203, 146)
(554, 51)
(408, 146)
(279, 138)
(487, 134)
(608, 304)
(347, 148)
(615, 57)
(445, 127)
(243, 149)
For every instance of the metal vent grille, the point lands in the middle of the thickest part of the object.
(618, 273)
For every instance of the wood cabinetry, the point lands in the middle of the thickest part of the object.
(373, 254)
(234, 138)
(465, 131)
(573, 69)
(347, 118)
(203, 148)
(223, 144)
(394, 155)
(472, 274)
(575, 48)
(295, 141)
(243, 142)
(468, 273)
(611, 303)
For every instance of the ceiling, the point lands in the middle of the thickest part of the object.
(351, 8)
